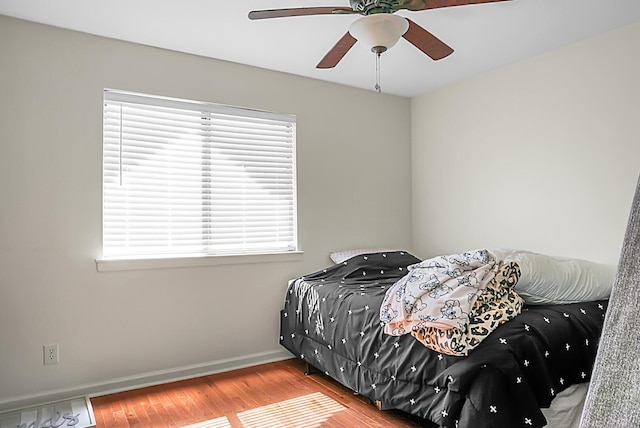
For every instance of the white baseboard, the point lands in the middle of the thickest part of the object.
(145, 379)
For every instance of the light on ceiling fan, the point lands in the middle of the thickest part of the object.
(380, 31)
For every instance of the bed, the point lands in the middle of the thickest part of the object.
(332, 321)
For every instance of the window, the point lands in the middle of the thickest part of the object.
(184, 178)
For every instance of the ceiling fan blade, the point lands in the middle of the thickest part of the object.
(297, 11)
(426, 42)
(435, 4)
(333, 57)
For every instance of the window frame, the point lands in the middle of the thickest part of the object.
(146, 261)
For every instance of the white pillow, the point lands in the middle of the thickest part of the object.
(343, 255)
(556, 280)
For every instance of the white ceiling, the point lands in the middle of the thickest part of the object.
(483, 37)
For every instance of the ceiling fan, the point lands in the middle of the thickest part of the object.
(378, 27)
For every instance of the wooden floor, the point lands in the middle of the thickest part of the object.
(271, 395)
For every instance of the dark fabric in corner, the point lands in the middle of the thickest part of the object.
(614, 393)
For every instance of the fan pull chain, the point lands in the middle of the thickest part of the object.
(377, 87)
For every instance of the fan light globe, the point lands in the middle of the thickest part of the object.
(379, 30)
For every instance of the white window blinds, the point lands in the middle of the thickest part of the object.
(184, 178)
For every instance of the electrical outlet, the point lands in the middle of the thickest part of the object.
(51, 354)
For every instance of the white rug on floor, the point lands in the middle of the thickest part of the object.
(76, 413)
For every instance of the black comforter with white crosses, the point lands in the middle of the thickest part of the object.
(331, 321)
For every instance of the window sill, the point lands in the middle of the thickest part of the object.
(107, 265)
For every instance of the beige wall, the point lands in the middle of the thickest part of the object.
(121, 328)
(543, 154)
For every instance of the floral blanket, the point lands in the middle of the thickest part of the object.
(438, 292)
